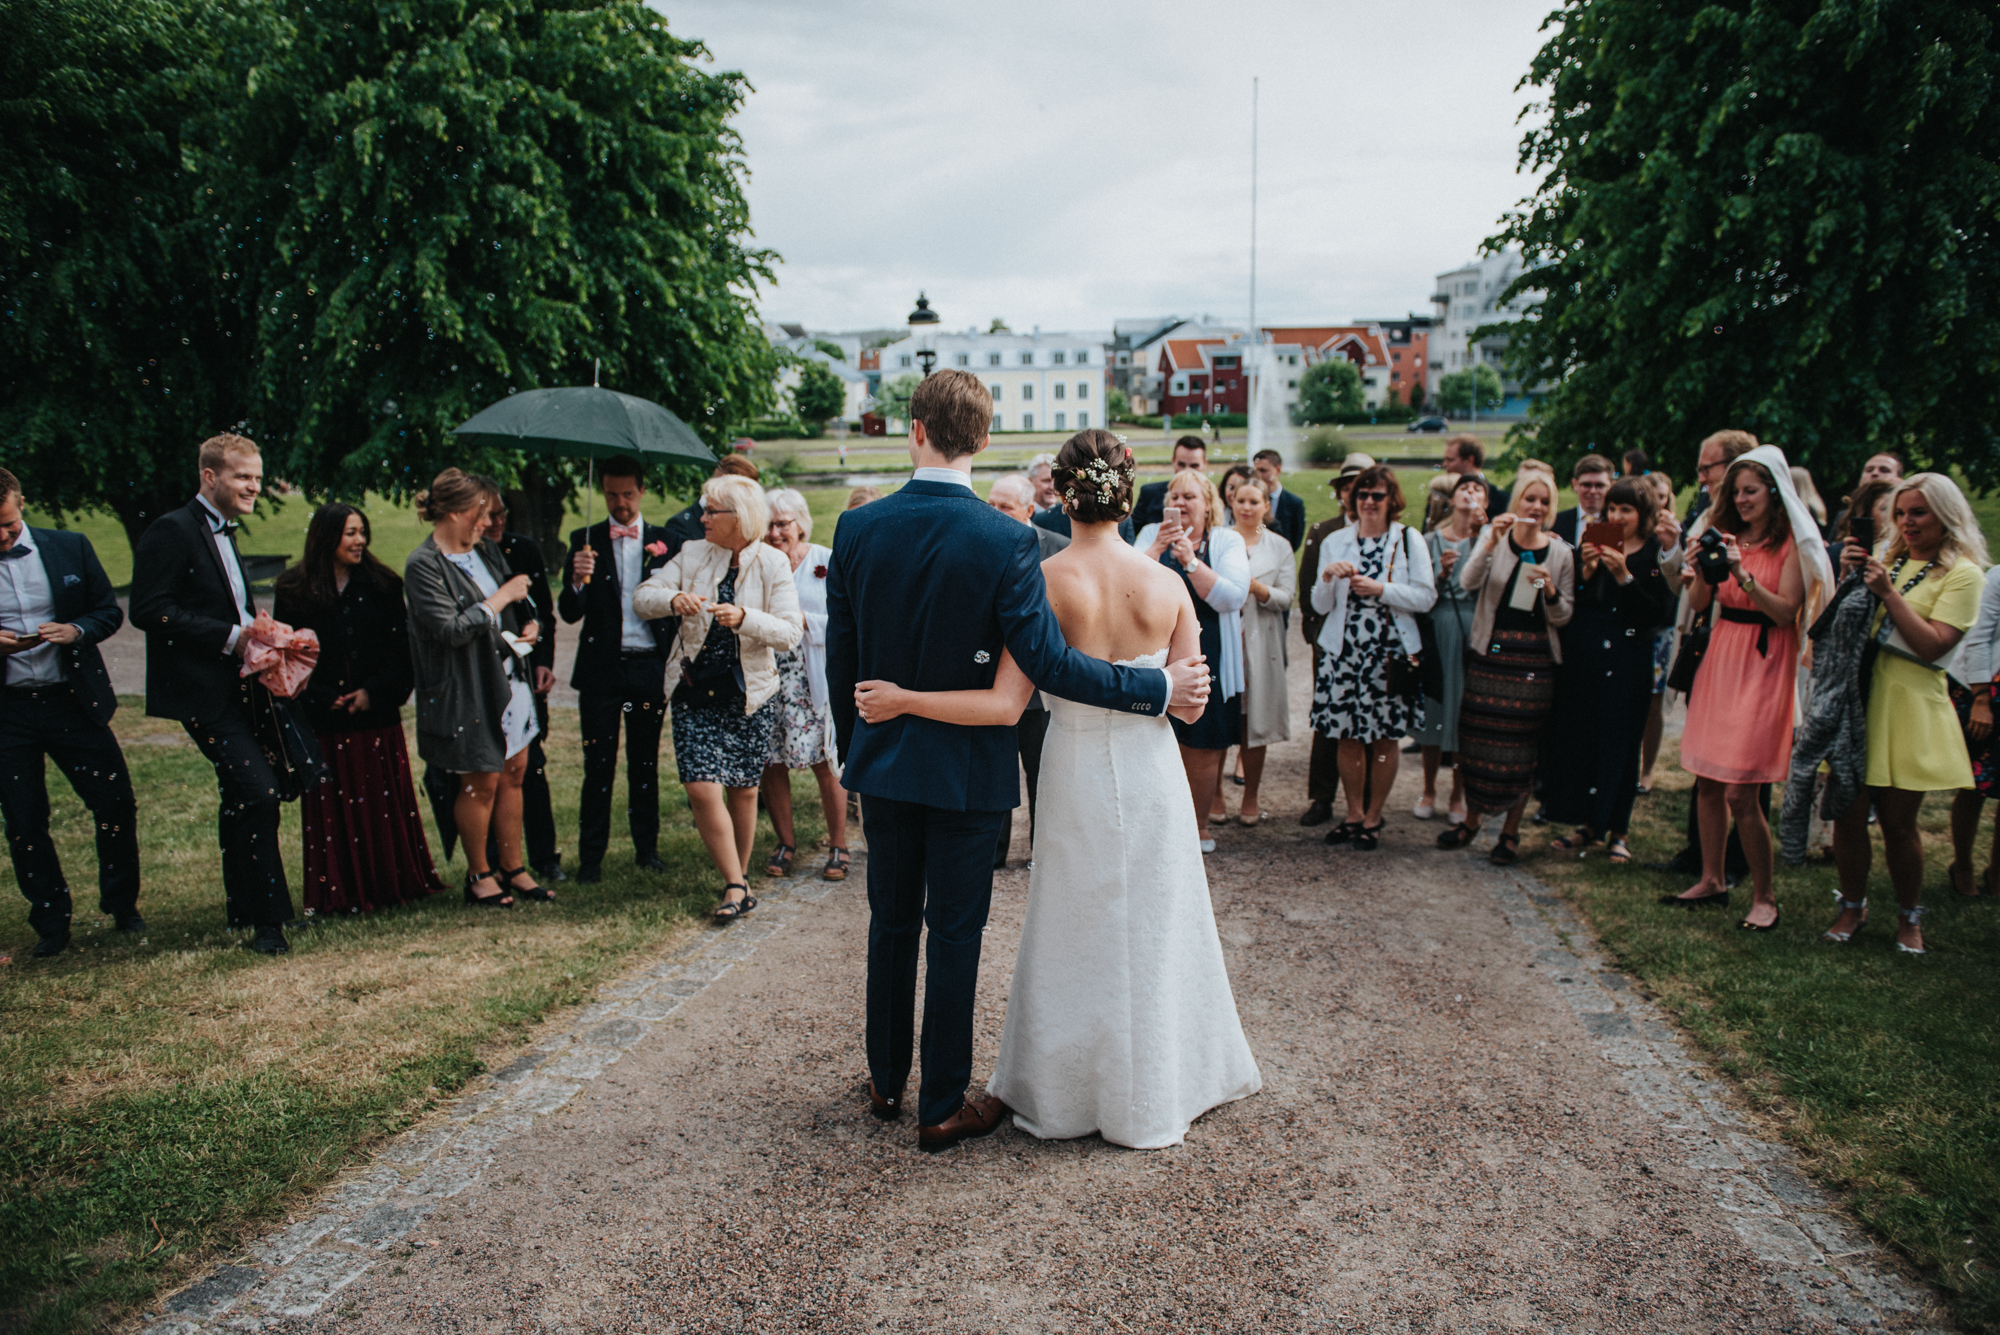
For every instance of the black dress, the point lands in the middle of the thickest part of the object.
(1590, 757)
(714, 740)
(1221, 724)
(363, 835)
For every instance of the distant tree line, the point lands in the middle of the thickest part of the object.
(344, 228)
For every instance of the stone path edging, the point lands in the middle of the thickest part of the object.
(1836, 1275)
(296, 1272)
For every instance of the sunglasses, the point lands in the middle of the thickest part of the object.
(1371, 495)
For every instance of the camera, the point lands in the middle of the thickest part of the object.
(1710, 559)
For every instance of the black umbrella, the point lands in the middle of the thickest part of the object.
(591, 422)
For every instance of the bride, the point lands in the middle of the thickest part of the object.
(1120, 1020)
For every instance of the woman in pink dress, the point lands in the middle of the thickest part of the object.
(1739, 719)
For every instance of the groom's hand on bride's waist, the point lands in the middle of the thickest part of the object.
(1190, 679)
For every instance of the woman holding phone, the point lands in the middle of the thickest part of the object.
(1450, 543)
(1212, 563)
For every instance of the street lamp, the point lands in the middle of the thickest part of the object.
(923, 317)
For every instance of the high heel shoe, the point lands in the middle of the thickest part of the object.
(514, 887)
(729, 910)
(1914, 917)
(1344, 831)
(1842, 938)
(1368, 836)
(501, 900)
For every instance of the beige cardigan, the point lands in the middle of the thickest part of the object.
(764, 590)
(1486, 573)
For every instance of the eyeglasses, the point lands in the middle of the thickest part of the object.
(1371, 495)
(716, 510)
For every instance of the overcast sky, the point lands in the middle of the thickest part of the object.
(1064, 164)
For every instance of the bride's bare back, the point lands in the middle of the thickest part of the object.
(1116, 604)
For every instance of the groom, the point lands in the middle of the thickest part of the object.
(925, 589)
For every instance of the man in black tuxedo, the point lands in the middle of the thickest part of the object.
(621, 668)
(935, 556)
(538, 822)
(1013, 495)
(1288, 512)
(191, 598)
(1591, 481)
(56, 606)
(1190, 456)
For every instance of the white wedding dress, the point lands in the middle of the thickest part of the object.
(1120, 1020)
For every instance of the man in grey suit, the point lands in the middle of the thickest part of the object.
(1013, 495)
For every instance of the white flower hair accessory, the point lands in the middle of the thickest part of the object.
(1095, 478)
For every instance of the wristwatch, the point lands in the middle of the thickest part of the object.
(1746, 581)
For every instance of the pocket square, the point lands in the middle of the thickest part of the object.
(72, 579)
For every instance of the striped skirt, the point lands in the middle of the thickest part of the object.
(1509, 694)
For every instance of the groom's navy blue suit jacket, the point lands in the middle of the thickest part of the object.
(925, 589)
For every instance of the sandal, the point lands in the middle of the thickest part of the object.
(1914, 917)
(1576, 843)
(729, 910)
(1368, 836)
(499, 899)
(1842, 938)
(837, 862)
(1457, 836)
(1620, 851)
(781, 861)
(514, 887)
(1344, 831)
(1506, 850)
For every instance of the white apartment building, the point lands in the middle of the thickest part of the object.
(1039, 381)
(1466, 298)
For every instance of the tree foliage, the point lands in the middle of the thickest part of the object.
(1330, 389)
(1776, 216)
(892, 400)
(1455, 390)
(831, 349)
(819, 395)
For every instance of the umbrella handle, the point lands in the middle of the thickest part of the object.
(588, 488)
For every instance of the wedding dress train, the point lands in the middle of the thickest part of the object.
(1120, 1020)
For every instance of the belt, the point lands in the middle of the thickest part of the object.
(1744, 616)
(45, 692)
(642, 653)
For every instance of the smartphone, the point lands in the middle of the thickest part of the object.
(1861, 528)
(28, 637)
(1171, 515)
(1604, 534)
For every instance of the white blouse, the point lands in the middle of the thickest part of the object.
(809, 578)
(1230, 561)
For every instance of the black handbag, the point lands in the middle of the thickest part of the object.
(287, 741)
(1415, 676)
(1687, 660)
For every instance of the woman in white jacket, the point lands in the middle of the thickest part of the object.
(1374, 577)
(738, 611)
(804, 737)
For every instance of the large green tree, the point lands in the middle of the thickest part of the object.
(1771, 214)
(122, 344)
(819, 395)
(1330, 390)
(447, 201)
(1455, 390)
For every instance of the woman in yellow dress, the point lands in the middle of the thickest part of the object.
(1929, 580)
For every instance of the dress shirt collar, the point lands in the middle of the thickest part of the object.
(949, 475)
(216, 522)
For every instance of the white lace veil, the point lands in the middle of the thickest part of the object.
(1814, 564)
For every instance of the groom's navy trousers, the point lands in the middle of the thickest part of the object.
(926, 589)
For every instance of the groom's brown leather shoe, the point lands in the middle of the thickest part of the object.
(977, 1116)
(886, 1109)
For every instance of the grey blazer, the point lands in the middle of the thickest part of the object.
(458, 655)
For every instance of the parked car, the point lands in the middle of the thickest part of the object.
(1428, 424)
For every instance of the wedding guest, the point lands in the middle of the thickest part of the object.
(523, 556)
(1190, 455)
(1372, 577)
(1739, 720)
(1887, 466)
(1288, 512)
(191, 598)
(803, 733)
(1637, 463)
(1977, 664)
(56, 607)
(1032, 728)
(1273, 587)
(1929, 581)
(1041, 475)
(1232, 477)
(1667, 530)
(1834, 728)
(621, 665)
(1590, 480)
(860, 496)
(1718, 450)
(1464, 456)
(685, 526)
(362, 833)
(1323, 761)
(738, 610)
(475, 700)
(1592, 775)
(1450, 544)
(1211, 561)
(1524, 579)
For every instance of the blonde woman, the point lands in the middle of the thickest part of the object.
(1929, 581)
(739, 609)
(804, 737)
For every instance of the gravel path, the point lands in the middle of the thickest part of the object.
(1468, 1123)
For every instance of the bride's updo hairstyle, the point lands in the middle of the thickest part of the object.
(1093, 475)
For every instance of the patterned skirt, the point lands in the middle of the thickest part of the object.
(1509, 695)
(719, 743)
(804, 736)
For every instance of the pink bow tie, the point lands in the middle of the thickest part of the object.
(624, 531)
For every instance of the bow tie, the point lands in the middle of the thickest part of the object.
(15, 552)
(226, 526)
(624, 531)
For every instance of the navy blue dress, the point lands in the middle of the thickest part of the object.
(1221, 724)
